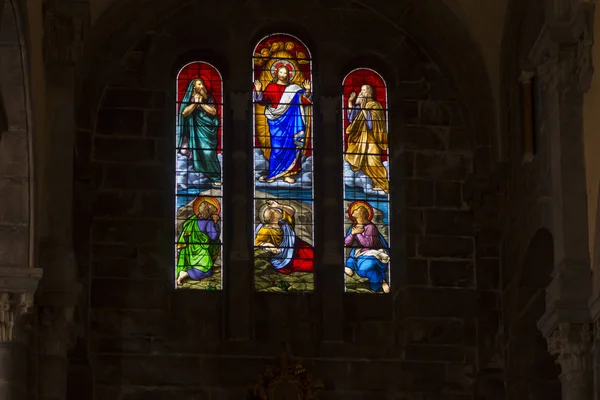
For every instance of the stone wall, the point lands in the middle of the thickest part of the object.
(545, 254)
(426, 340)
(14, 143)
(526, 185)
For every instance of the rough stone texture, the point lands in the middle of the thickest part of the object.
(541, 209)
(456, 309)
(14, 143)
(473, 242)
(422, 344)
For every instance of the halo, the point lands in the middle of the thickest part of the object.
(210, 200)
(261, 213)
(358, 204)
(262, 209)
(283, 63)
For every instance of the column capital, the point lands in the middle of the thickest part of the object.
(571, 344)
(14, 306)
(565, 44)
(17, 288)
(526, 76)
(64, 30)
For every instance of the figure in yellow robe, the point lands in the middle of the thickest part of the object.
(276, 235)
(367, 137)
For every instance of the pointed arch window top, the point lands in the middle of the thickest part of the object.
(366, 182)
(283, 185)
(199, 178)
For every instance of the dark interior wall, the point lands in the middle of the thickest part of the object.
(531, 370)
(149, 341)
(527, 244)
(15, 135)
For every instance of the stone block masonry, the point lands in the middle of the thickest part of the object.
(151, 342)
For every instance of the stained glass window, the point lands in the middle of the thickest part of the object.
(366, 183)
(198, 171)
(283, 187)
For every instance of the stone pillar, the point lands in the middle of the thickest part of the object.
(562, 55)
(238, 281)
(572, 346)
(329, 275)
(59, 291)
(56, 337)
(17, 286)
(596, 360)
(528, 125)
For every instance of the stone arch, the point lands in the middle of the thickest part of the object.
(15, 140)
(531, 370)
(126, 74)
(131, 20)
(140, 42)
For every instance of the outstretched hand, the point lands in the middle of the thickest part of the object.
(352, 96)
(257, 85)
(272, 203)
(306, 84)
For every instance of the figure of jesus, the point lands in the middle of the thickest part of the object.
(197, 130)
(285, 104)
(367, 137)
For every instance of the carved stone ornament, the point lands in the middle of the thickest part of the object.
(526, 77)
(17, 287)
(290, 381)
(13, 306)
(572, 346)
(63, 32)
(548, 73)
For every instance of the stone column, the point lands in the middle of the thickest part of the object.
(329, 275)
(596, 360)
(17, 286)
(528, 124)
(572, 346)
(56, 336)
(563, 60)
(238, 277)
(59, 291)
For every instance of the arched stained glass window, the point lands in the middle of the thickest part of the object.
(198, 170)
(366, 183)
(283, 186)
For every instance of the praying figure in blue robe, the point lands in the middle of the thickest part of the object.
(285, 110)
(369, 257)
(197, 130)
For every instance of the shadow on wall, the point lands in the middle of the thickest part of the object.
(3, 118)
(531, 369)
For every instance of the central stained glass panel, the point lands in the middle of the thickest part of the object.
(283, 166)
